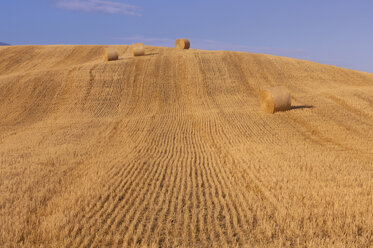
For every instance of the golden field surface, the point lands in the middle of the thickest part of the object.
(172, 149)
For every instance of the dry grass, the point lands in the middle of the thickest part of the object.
(173, 150)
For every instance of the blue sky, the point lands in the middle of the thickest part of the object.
(337, 32)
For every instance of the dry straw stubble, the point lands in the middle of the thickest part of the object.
(138, 49)
(158, 150)
(182, 44)
(275, 99)
(109, 54)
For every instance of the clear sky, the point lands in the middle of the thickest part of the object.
(337, 32)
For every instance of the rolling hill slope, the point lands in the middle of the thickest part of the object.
(172, 150)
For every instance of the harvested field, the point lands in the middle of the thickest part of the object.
(172, 149)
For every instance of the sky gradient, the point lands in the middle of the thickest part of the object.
(336, 32)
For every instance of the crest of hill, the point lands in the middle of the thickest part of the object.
(17, 59)
(25, 70)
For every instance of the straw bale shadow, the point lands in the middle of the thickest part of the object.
(301, 107)
(150, 54)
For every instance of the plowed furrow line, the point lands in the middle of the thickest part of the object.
(149, 227)
(94, 225)
(88, 90)
(115, 208)
(97, 208)
(211, 128)
(163, 188)
(247, 127)
(213, 233)
(224, 214)
(266, 131)
(355, 112)
(251, 183)
(258, 184)
(313, 133)
(188, 205)
(366, 97)
(234, 133)
(214, 218)
(184, 203)
(110, 93)
(121, 223)
(195, 210)
(137, 85)
(181, 201)
(216, 103)
(130, 171)
(233, 68)
(173, 227)
(63, 95)
(145, 93)
(68, 229)
(150, 99)
(259, 171)
(132, 197)
(200, 234)
(176, 162)
(159, 222)
(231, 198)
(201, 206)
(129, 230)
(208, 222)
(161, 212)
(155, 176)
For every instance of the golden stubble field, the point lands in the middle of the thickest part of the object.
(171, 149)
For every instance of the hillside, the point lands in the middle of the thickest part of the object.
(172, 150)
(4, 44)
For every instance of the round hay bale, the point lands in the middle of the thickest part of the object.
(275, 99)
(109, 54)
(138, 49)
(182, 44)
